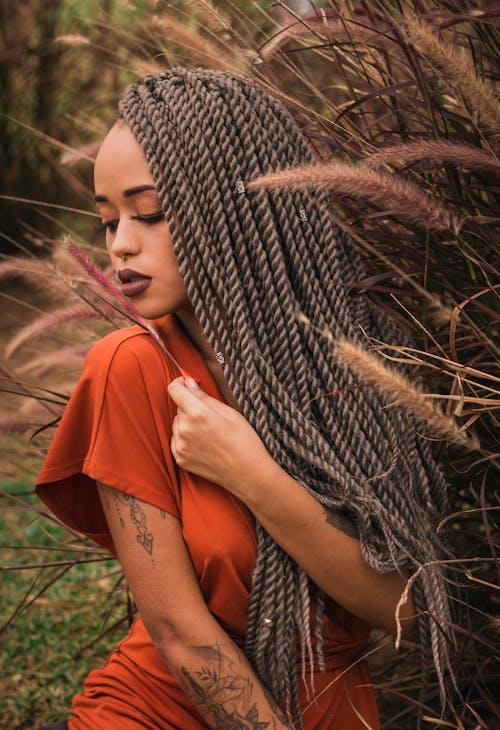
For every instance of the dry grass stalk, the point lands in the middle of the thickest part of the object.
(478, 92)
(200, 50)
(451, 368)
(71, 39)
(142, 68)
(46, 322)
(54, 143)
(323, 28)
(88, 153)
(395, 385)
(399, 196)
(39, 272)
(434, 153)
(211, 16)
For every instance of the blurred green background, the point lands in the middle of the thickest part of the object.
(357, 82)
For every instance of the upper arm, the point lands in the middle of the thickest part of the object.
(158, 568)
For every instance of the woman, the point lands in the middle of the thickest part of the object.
(262, 526)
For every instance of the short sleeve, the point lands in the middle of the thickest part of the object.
(116, 429)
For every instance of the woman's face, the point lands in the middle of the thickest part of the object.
(137, 235)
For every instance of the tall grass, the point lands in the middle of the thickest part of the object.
(399, 100)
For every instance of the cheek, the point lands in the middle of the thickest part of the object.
(169, 259)
(108, 249)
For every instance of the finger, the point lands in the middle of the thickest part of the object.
(173, 448)
(183, 396)
(176, 439)
(175, 428)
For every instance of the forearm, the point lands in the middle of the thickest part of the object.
(325, 546)
(213, 672)
(221, 684)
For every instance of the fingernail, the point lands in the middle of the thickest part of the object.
(192, 383)
(187, 377)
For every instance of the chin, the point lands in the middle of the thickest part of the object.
(152, 312)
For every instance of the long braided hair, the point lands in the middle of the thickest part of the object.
(250, 261)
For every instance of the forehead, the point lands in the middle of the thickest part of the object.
(120, 162)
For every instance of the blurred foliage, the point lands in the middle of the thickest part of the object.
(47, 651)
(62, 69)
(63, 66)
(362, 79)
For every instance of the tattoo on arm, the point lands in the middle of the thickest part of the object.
(341, 522)
(138, 517)
(226, 697)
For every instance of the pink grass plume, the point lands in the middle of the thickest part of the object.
(105, 283)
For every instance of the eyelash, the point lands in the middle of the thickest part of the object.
(149, 220)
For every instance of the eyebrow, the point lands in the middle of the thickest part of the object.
(127, 193)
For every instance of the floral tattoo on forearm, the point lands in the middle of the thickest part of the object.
(226, 697)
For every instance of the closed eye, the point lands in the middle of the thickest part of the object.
(149, 219)
(106, 226)
(112, 225)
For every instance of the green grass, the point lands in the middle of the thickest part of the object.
(42, 664)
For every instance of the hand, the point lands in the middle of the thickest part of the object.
(213, 440)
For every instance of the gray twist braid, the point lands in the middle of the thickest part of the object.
(249, 263)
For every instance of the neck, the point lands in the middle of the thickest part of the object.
(192, 327)
(193, 330)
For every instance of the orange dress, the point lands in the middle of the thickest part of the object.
(117, 430)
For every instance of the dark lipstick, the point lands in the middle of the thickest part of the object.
(133, 282)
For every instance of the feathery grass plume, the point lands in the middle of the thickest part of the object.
(70, 315)
(402, 197)
(325, 29)
(121, 300)
(10, 426)
(100, 277)
(451, 368)
(64, 260)
(478, 92)
(41, 273)
(406, 394)
(198, 49)
(433, 153)
(70, 357)
(211, 16)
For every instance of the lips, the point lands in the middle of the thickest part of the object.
(133, 282)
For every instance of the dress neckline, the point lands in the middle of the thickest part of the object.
(188, 356)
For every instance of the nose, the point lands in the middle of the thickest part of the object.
(122, 241)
